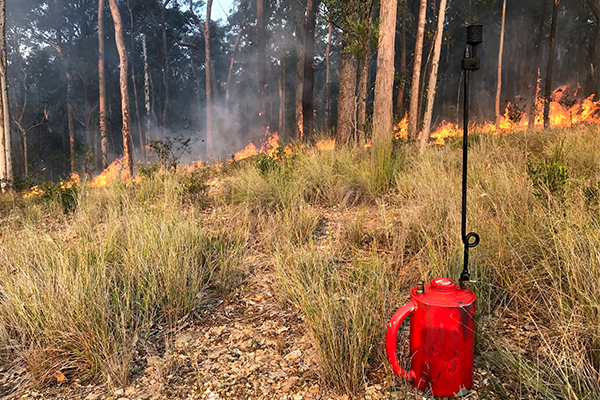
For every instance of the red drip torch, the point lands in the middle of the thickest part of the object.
(442, 328)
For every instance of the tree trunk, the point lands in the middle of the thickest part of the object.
(383, 107)
(413, 114)
(363, 85)
(403, 75)
(135, 93)
(346, 103)
(282, 127)
(435, 63)
(537, 60)
(102, 85)
(299, 72)
(328, 77)
(208, 68)
(120, 41)
(5, 102)
(308, 112)
(230, 74)
(261, 55)
(548, 92)
(499, 79)
(146, 95)
(70, 115)
(166, 65)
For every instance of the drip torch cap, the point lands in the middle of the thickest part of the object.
(443, 284)
(420, 287)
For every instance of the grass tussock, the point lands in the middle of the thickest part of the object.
(348, 232)
(80, 296)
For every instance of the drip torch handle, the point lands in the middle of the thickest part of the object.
(391, 340)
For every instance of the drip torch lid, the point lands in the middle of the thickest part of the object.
(445, 284)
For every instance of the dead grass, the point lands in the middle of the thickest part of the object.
(346, 245)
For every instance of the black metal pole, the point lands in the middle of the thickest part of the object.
(469, 63)
(465, 276)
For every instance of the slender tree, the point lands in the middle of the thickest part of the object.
(5, 104)
(413, 114)
(146, 92)
(435, 63)
(403, 74)
(261, 55)
(328, 75)
(209, 88)
(308, 112)
(499, 80)
(537, 59)
(102, 85)
(166, 63)
(300, 23)
(123, 83)
(232, 62)
(550, 70)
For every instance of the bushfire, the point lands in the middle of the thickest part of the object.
(563, 112)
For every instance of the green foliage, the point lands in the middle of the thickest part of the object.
(548, 178)
(63, 193)
(192, 183)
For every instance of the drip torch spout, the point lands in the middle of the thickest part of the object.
(469, 63)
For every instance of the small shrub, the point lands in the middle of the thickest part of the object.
(64, 193)
(548, 178)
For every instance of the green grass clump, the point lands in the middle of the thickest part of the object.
(78, 298)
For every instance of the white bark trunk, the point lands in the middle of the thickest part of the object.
(4, 88)
(413, 114)
(433, 75)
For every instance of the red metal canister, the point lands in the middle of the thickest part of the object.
(442, 338)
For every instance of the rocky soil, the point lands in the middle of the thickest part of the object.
(249, 346)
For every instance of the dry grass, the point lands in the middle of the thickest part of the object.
(78, 296)
(346, 242)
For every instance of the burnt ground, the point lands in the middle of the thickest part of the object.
(249, 346)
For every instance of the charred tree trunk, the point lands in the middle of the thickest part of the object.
(328, 77)
(537, 60)
(124, 68)
(308, 114)
(499, 81)
(209, 86)
(146, 95)
(433, 75)
(300, 18)
(551, 53)
(413, 114)
(102, 85)
(261, 54)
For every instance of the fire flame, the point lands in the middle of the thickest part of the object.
(67, 184)
(111, 173)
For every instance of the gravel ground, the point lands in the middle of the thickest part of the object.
(249, 346)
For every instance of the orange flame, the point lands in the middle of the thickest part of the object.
(111, 173)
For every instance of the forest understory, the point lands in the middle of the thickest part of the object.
(275, 276)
